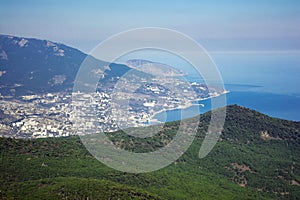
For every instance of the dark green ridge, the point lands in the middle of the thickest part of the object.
(256, 157)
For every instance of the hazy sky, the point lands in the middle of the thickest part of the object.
(218, 25)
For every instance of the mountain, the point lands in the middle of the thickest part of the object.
(31, 66)
(256, 157)
(155, 68)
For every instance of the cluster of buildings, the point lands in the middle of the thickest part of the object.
(63, 114)
(36, 116)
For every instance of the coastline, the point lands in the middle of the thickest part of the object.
(152, 118)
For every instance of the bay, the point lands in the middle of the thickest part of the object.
(268, 83)
(274, 105)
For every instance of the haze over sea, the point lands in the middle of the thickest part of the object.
(268, 82)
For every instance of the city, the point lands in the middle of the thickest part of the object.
(62, 114)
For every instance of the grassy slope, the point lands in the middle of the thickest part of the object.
(268, 168)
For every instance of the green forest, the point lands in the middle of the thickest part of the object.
(256, 157)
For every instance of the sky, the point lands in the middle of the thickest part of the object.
(218, 25)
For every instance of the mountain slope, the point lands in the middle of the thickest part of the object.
(31, 66)
(154, 68)
(257, 157)
(74, 188)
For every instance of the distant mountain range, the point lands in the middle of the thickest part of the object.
(30, 66)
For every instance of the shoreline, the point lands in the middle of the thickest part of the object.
(185, 106)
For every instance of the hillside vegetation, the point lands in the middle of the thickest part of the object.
(256, 157)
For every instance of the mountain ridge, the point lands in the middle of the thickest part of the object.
(30, 65)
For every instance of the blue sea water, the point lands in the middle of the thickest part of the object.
(268, 83)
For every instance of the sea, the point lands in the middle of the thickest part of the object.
(268, 82)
